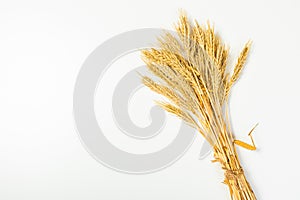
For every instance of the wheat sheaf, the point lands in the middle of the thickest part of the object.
(192, 68)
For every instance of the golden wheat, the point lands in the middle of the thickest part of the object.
(192, 66)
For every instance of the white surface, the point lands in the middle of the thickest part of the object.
(42, 46)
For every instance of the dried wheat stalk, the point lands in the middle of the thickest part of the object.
(192, 68)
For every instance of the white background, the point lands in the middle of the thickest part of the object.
(42, 47)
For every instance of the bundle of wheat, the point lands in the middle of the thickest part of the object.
(192, 66)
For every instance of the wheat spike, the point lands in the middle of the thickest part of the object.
(239, 66)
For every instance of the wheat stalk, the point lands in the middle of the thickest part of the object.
(192, 66)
